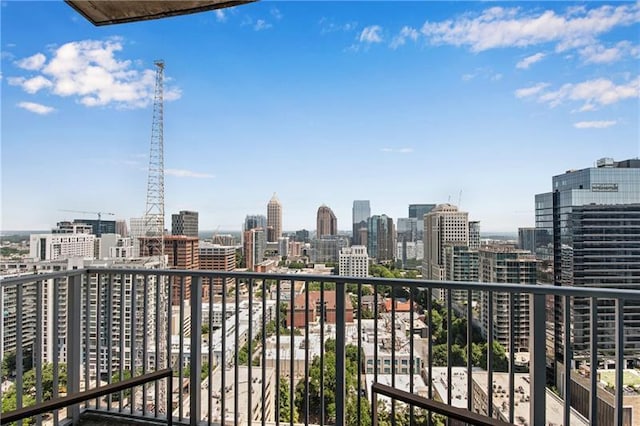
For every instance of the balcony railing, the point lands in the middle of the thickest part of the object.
(246, 348)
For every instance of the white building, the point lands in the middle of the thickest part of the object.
(354, 261)
(61, 246)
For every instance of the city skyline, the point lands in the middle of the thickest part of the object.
(421, 113)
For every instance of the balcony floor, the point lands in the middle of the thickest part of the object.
(99, 419)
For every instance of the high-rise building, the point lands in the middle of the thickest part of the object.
(381, 238)
(182, 252)
(474, 235)
(274, 218)
(360, 213)
(417, 211)
(99, 226)
(61, 246)
(283, 246)
(327, 248)
(527, 239)
(121, 228)
(216, 258)
(302, 236)
(185, 223)
(589, 226)
(327, 223)
(444, 225)
(66, 227)
(407, 229)
(254, 244)
(354, 262)
(461, 264)
(253, 221)
(506, 264)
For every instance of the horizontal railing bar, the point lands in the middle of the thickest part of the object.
(435, 406)
(600, 292)
(65, 401)
(30, 278)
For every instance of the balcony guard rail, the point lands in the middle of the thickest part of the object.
(70, 400)
(104, 324)
(449, 412)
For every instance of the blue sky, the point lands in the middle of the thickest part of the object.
(320, 102)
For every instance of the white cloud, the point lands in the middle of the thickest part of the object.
(89, 71)
(496, 77)
(468, 77)
(594, 124)
(261, 24)
(371, 34)
(36, 108)
(530, 91)
(275, 12)
(32, 63)
(220, 15)
(499, 27)
(530, 60)
(32, 85)
(187, 174)
(401, 38)
(598, 54)
(327, 26)
(398, 150)
(592, 93)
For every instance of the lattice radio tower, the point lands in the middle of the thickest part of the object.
(154, 225)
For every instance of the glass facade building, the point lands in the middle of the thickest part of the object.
(361, 212)
(588, 232)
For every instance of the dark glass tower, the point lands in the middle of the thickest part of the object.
(588, 231)
(361, 213)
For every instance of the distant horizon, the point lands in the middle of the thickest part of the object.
(222, 232)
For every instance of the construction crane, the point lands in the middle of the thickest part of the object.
(99, 227)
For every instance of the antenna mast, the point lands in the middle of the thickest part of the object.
(154, 227)
(154, 216)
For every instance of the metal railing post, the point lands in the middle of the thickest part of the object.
(537, 370)
(195, 351)
(340, 353)
(74, 341)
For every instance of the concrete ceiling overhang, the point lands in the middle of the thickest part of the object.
(107, 12)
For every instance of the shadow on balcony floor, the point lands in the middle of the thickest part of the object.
(100, 419)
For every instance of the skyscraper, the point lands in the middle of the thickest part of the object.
(418, 211)
(121, 228)
(526, 239)
(253, 221)
(185, 223)
(274, 218)
(589, 226)
(381, 238)
(505, 264)
(327, 223)
(354, 261)
(254, 245)
(360, 213)
(444, 225)
(217, 258)
(182, 252)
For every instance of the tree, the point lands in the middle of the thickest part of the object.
(285, 407)
(126, 374)
(9, 364)
(329, 386)
(205, 329)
